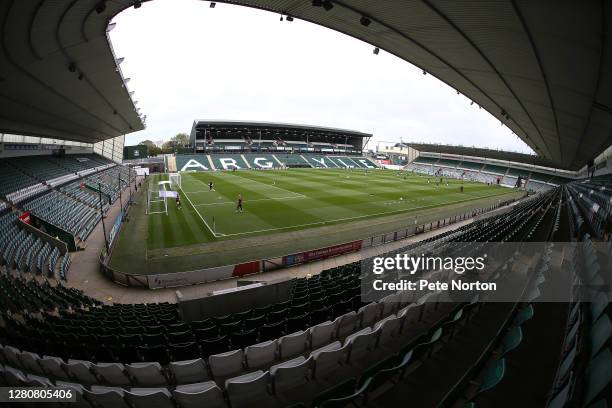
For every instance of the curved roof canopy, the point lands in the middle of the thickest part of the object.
(482, 152)
(58, 73)
(542, 68)
(275, 126)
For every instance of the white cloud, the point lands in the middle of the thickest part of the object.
(189, 61)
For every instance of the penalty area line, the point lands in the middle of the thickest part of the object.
(200, 215)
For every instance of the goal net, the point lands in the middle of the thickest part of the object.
(175, 181)
(157, 202)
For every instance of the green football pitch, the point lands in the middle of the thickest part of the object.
(282, 201)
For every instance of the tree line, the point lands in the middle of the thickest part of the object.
(181, 140)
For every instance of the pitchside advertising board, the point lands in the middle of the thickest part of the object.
(247, 268)
(322, 253)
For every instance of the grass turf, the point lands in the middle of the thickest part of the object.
(283, 200)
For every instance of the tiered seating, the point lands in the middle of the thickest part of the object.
(421, 168)
(470, 165)
(64, 265)
(52, 262)
(110, 180)
(324, 336)
(28, 296)
(226, 162)
(58, 209)
(590, 200)
(323, 332)
(452, 173)
(43, 256)
(425, 160)
(447, 163)
(516, 173)
(353, 162)
(319, 161)
(261, 161)
(539, 177)
(495, 169)
(584, 372)
(485, 178)
(509, 181)
(23, 251)
(83, 195)
(9, 233)
(538, 187)
(79, 162)
(16, 186)
(292, 160)
(38, 167)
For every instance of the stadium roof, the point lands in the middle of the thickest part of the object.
(58, 73)
(480, 152)
(273, 125)
(543, 68)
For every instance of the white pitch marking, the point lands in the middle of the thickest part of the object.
(200, 215)
(269, 185)
(354, 218)
(251, 201)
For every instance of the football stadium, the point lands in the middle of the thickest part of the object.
(260, 263)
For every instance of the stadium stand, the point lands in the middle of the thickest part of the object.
(485, 173)
(543, 72)
(59, 209)
(225, 161)
(323, 346)
(292, 160)
(262, 161)
(43, 186)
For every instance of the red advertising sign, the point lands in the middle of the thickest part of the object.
(25, 217)
(322, 253)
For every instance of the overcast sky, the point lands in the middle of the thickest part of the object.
(189, 61)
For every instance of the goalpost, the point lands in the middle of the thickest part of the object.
(175, 180)
(157, 203)
(157, 196)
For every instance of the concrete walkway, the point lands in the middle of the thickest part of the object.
(85, 275)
